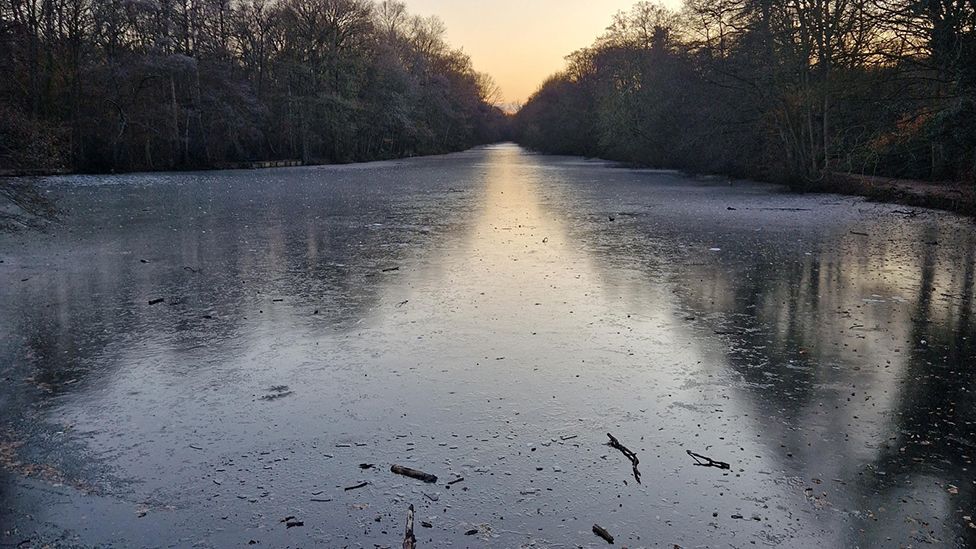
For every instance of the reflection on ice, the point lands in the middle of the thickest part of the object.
(488, 315)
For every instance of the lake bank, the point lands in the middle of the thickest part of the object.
(952, 197)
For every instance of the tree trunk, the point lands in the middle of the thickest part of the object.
(176, 124)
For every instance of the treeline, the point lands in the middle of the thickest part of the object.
(102, 85)
(785, 90)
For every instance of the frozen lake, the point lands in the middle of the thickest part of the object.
(490, 315)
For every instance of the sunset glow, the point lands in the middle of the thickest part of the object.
(521, 42)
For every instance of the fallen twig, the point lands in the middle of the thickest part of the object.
(614, 443)
(780, 209)
(409, 539)
(291, 522)
(413, 473)
(602, 532)
(156, 301)
(705, 461)
(859, 234)
(357, 487)
(455, 481)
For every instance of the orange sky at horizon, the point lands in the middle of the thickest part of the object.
(522, 42)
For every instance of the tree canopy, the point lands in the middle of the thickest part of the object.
(162, 84)
(786, 90)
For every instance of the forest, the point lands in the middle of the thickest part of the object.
(793, 91)
(117, 85)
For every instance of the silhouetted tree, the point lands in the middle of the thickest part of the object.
(163, 84)
(790, 90)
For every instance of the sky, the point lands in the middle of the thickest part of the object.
(521, 42)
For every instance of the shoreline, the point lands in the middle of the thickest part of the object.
(951, 197)
(225, 166)
(956, 198)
